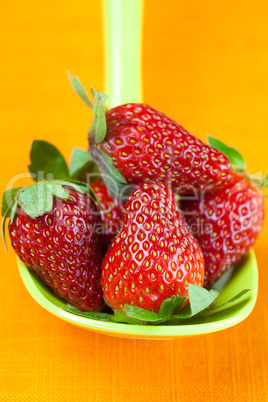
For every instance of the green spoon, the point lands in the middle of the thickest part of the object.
(122, 21)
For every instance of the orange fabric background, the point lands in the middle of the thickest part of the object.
(204, 64)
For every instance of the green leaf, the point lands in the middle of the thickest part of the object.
(100, 118)
(265, 182)
(117, 190)
(47, 161)
(112, 170)
(93, 92)
(13, 210)
(76, 185)
(3, 225)
(101, 97)
(258, 182)
(239, 296)
(8, 209)
(81, 188)
(199, 299)
(80, 161)
(88, 314)
(79, 90)
(117, 317)
(171, 306)
(234, 156)
(57, 190)
(141, 314)
(8, 198)
(92, 126)
(120, 317)
(105, 164)
(116, 184)
(35, 199)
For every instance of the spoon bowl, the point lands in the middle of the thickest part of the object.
(243, 275)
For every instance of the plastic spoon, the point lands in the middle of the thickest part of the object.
(123, 21)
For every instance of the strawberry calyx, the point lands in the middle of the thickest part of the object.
(50, 171)
(113, 179)
(116, 184)
(170, 309)
(37, 198)
(8, 208)
(237, 161)
(48, 163)
(201, 304)
(235, 158)
(81, 165)
(97, 107)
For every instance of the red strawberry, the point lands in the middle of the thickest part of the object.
(145, 144)
(225, 223)
(58, 242)
(112, 220)
(154, 256)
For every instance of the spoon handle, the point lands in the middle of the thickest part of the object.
(122, 38)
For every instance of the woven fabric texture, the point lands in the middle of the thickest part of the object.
(205, 64)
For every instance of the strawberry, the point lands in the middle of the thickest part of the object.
(144, 144)
(113, 219)
(52, 231)
(225, 223)
(154, 256)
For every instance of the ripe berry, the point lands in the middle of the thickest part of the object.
(144, 144)
(226, 224)
(154, 256)
(60, 246)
